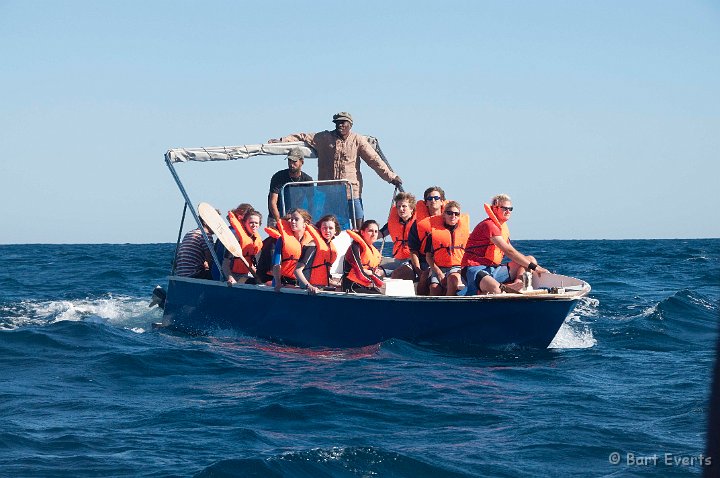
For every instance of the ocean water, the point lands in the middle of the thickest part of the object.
(88, 388)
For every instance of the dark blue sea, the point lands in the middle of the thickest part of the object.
(89, 389)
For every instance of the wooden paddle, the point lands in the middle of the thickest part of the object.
(217, 224)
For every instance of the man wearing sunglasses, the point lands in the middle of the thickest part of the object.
(434, 198)
(482, 267)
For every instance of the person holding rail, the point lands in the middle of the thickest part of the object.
(482, 265)
(339, 152)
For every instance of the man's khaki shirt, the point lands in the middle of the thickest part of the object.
(340, 159)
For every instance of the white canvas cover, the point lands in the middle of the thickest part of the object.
(226, 153)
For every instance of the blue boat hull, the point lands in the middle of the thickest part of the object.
(349, 320)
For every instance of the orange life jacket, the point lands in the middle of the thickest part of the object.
(249, 245)
(399, 233)
(291, 248)
(369, 259)
(492, 252)
(325, 255)
(423, 229)
(449, 247)
(421, 210)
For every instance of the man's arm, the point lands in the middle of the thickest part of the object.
(514, 254)
(308, 138)
(306, 258)
(414, 245)
(434, 267)
(273, 205)
(373, 159)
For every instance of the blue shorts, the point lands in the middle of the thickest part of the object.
(359, 212)
(474, 274)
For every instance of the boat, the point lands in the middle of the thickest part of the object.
(337, 319)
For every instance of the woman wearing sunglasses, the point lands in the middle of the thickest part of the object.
(445, 249)
(488, 244)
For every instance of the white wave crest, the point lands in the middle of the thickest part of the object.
(648, 311)
(587, 307)
(128, 312)
(573, 334)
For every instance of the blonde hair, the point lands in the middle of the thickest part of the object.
(303, 213)
(452, 204)
(500, 198)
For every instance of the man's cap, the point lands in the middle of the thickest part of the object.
(342, 116)
(295, 154)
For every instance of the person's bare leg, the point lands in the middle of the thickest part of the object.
(488, 285)
(453, 283)
(436, 289)
(423, 287)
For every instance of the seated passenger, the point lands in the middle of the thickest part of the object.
(193, 255)
(360, 269)
(487, 245)
(239, 269)
(400, 220)
(220, 250)
(431, 206)
(313, 268)
(292, 236)
(445, 248)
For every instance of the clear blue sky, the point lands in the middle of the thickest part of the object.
(600, 119)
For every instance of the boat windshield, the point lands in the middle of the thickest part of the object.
(319, 198)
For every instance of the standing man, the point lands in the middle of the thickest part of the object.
(292, 174)
(482, 266)
(339, 153)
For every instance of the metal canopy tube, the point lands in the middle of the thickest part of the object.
(177, 244)
(188, 203)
